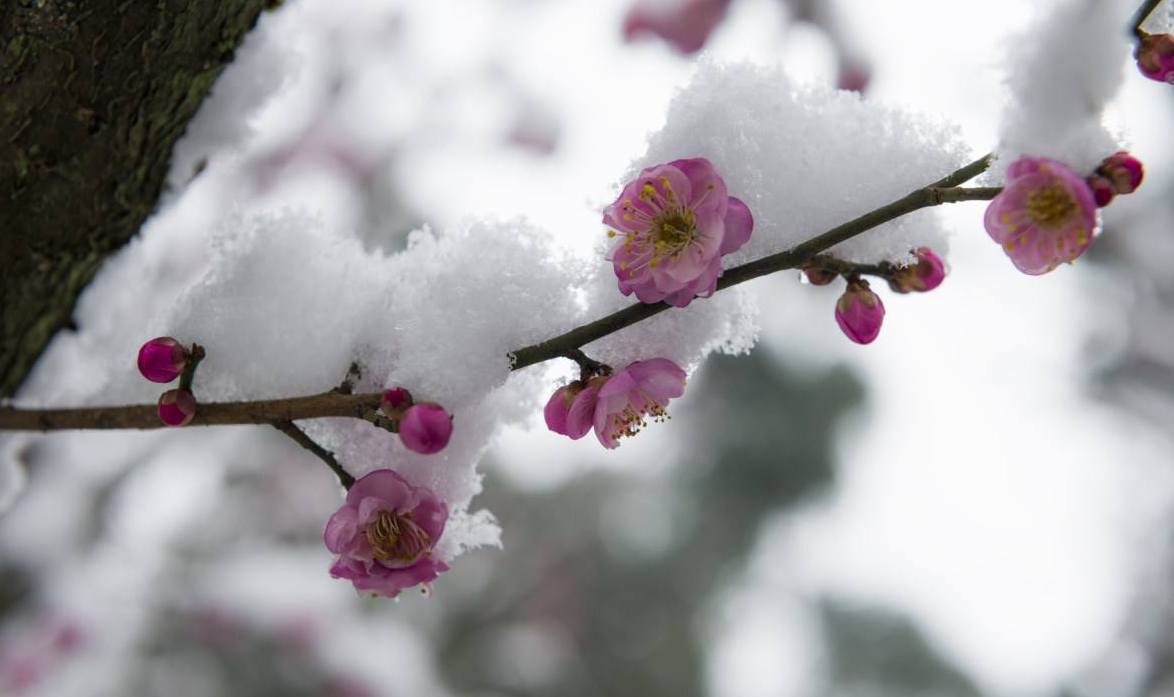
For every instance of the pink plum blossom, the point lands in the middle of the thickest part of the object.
(684, 25)
(1045, 215)
(425, 428)
(561, 413)
(1155, 57)
(1123, 171)
(675, 222)
(385, 534)
(177, 407)
(860, 312)
(625, 400)
(162, 359)
(921, 277)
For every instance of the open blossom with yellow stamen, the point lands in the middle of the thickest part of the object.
(639, 392)
(674, 223)
(618, 405)
(1045, 215)
(385, 533)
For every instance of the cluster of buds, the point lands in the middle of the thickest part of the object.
(859, 311)
(1120, 173)
(162, 360)
(1155, 56)
(424, 427)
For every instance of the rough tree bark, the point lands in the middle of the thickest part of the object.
(93, 95)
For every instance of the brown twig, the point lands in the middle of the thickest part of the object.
(265, 411)
(299, 436)
(1147, 8)
(827, 262)
(365, 406)
(942, 191)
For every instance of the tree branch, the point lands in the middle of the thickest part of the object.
(279, 412)
(299, 436)
(935, 194)
(268, 411)
(1147, 8)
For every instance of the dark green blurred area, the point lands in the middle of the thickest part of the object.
(634, 624)
(606, 585)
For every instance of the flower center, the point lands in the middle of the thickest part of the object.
(397, 537)
(1050, 206)
(629, 421)
(673, 230)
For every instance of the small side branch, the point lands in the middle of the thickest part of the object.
(1143, 13)
(299, 436)
(587, 366)
(942, 191)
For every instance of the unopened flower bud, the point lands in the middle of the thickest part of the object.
(819, 276)
(1124, 171)
(1103, 190)
(162, 359)
(177, 407)
(561, 418)
(425, 428)
(921, 277)
(853, 77)
(859, 312)
(1155, 57)
(395, 402)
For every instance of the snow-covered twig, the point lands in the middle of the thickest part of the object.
(279, 412)
(942, 191)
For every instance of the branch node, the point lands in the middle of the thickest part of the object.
(588, 367)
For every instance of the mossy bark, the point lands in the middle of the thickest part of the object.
(93, 96)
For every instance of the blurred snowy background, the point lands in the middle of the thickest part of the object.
(978, 503)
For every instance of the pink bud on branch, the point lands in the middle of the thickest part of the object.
(177, 407)
(1155, 57)
(162, 359)
(860, 312)
(1124, 171)
(425, 428)
(395, 402)
(921, 277)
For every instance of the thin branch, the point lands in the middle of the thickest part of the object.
(827, 262)
(1147, 8)
(268, 411)
(189, 370)
(587, 366)
(935, 194)
(276, 412)
(299, 436)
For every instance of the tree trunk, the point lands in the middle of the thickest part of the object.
(93, 96)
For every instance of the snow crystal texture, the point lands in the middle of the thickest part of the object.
(1063, 71)
(807, 158)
